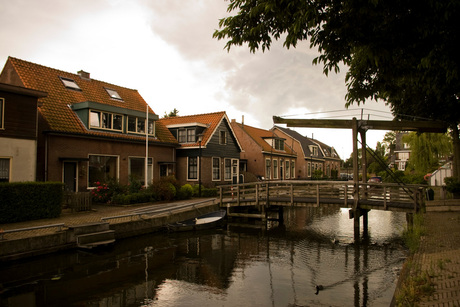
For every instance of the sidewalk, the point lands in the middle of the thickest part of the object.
(439, 257)
(70, 218)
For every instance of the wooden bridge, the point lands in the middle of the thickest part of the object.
(259, 199)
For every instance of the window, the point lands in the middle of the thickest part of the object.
(191, 136)
(293, 170)
(314, 151)
(2, 111)
(228, 169)
(182, 136)
(102, 169)
(136, 124)
(166, 169)
(70, 84)
(223, 137)
(279, 144)
(215, 168)
(192, 172)
(105, 120)
(137, 167)
(275, 169)
(267, 169)
(288, 170)
(5, 169)
(114, 94)
(151, 127)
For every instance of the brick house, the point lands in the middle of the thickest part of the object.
(209, 151)
(312, 154)
(18, 133)
(265, 154)
(92, 131)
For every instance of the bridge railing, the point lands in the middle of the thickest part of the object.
(315, 191)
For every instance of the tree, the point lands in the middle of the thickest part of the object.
(173, 113)
(402, 52)
(427, 150)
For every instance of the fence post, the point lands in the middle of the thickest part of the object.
(292, 194)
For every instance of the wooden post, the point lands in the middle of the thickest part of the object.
(355, 179)
(257, 194)
(317, 194)
(292, 194)
(362, 132)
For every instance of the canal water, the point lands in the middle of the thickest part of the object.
(238, 265)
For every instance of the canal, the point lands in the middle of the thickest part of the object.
(238, 265)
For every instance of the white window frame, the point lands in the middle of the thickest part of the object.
(268, 168)
(90, 184)
(293, 176)
(287, 169)
(216, 170)
(228, 169)
(275, 169)
(149, 168)
(100, 120)
(197, 168)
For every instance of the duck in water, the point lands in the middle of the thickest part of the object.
(319, 288)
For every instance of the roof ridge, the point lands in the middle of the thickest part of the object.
(195, 115)
(17, 60)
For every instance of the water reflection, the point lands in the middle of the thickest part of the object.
(250, 265)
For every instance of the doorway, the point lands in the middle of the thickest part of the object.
(70, 176)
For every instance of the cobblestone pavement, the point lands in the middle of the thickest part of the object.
(439, 257)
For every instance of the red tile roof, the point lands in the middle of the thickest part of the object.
(56, 106)
(211, 120)
(259, 136)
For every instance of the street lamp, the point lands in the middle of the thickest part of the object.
(200, 138)
(311, 166)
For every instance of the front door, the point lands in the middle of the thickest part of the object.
(70, 176)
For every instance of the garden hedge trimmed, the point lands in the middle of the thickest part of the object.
(24, 201)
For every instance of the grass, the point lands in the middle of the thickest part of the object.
(415, 286)
(414, 232)
(417, 283)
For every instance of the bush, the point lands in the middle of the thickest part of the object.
(24, 201)
(452, 185)
(163, 190)
(185, 192)
(209, 192)
(196, 190)
(134, 198)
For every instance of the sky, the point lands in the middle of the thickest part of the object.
(165, 50)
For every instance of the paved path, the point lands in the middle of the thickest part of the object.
(98, 212)
(439, 257)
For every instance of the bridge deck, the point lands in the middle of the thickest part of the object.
(313, 194)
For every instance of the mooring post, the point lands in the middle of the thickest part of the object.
(356, 226)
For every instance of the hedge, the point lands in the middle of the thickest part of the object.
(24, 201)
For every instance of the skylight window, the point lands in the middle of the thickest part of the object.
(113, 94)
(69, 83)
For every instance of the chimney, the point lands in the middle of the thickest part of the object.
(83, 74)
(242, 120)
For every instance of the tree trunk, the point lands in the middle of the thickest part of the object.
(456, 147)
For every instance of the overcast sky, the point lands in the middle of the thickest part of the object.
(165, 50)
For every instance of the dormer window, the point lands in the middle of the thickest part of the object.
(70, 84)
(113, 94)
(279, 144)
(314, 151)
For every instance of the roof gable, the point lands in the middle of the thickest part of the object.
(208, 122)
(56, 108)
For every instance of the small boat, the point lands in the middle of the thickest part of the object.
(205, 221)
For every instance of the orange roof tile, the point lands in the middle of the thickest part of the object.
(56, 107)
(211, 120)
(259, 136)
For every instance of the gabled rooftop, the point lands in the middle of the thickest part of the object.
(68, 92)
(260, 136)
(207, 122)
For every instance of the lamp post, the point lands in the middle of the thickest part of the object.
(200, 138)
(311, 166)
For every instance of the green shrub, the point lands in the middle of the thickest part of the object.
(209, 192)
(452, 184)
(24, 201)
(163, 190)
(185, 192)
(196, 190)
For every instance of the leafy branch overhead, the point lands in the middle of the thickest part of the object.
(402, 52)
